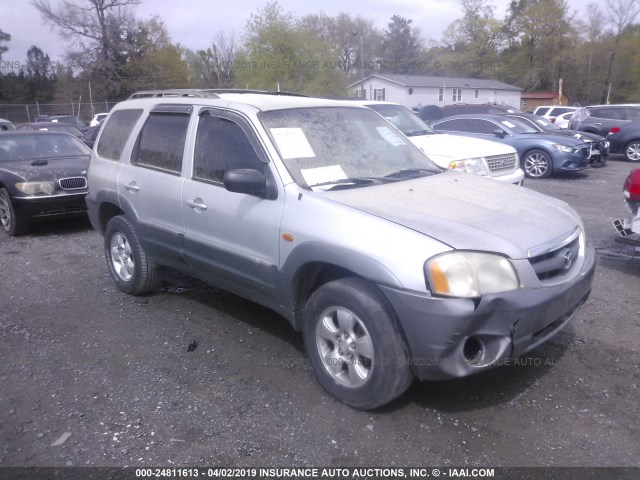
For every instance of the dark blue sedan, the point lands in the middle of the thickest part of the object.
(540, 153)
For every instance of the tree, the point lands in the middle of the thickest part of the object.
(540, 34)
(96, 30)
(4, 37)
(39, 76)
(401, 46)
(280, 51)
(475, 40)
(213, 67)
(150, 60)
(622, 14)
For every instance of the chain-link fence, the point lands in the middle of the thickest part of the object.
(25, 113)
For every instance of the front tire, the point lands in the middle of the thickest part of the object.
(632, 151)
(354, 347)
(8, 220)
(127, 260)
(537, 164)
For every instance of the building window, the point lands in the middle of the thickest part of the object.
(457, 94)
(361, 94)
(378, 94)
(477, 93)
(441, 95)
(524, 103)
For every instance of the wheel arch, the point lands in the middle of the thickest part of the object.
(309, 267)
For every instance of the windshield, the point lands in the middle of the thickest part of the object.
(61, 128)
(325, 145)
(546, 124)
(39, 146)
(517, 126)
(403, 119)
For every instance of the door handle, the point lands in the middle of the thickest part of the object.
(132, 187)
(197, 204)
(598, 123)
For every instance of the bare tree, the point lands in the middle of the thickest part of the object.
(622, 14)
(224, 49)
(96, 30)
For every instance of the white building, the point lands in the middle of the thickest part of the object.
(414, 90)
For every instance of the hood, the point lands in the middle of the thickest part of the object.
(443, 148)
(578, 135)
(567, 140)
(47, 168)
(467, 212)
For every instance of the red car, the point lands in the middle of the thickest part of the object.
(631, 225)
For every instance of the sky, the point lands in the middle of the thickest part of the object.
(194, 23)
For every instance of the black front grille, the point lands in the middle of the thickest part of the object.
(557, 262)
(73, 183)
(586, 152)
(501, 163)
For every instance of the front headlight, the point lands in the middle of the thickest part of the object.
(477, 166)
(470, 274)
(562, 148)
(33, 188)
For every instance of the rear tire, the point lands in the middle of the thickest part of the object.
(356, 352)
(8, 220)
(127, 260)
(632, 151)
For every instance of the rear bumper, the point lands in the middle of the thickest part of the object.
(449, 337)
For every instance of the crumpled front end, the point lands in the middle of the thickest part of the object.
(457, 337)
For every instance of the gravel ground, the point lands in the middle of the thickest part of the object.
(93, 377)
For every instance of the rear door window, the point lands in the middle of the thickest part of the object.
(611, 113)
(161, 142)
(632, 113)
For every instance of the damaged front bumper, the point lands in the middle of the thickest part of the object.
(457, 337)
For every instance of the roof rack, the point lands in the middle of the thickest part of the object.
(203, 93)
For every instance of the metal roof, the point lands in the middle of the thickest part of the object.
(439, 82)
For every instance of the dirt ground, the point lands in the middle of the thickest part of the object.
(93, 377)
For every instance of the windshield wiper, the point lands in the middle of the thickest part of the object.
(344, 182)
(410, 172)
(415, 133)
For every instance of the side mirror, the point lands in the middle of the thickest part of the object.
(248, 181)
(498, 132)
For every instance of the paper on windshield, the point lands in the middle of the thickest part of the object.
(292, 143)
(391, 137)
(508, 124)
(313, 176)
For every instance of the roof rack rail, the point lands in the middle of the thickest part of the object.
(203, 93)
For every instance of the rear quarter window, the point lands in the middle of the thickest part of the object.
(116, 133)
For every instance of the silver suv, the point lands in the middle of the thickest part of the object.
(325, 213)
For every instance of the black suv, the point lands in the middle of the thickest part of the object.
(430, 113)
(601, 119)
